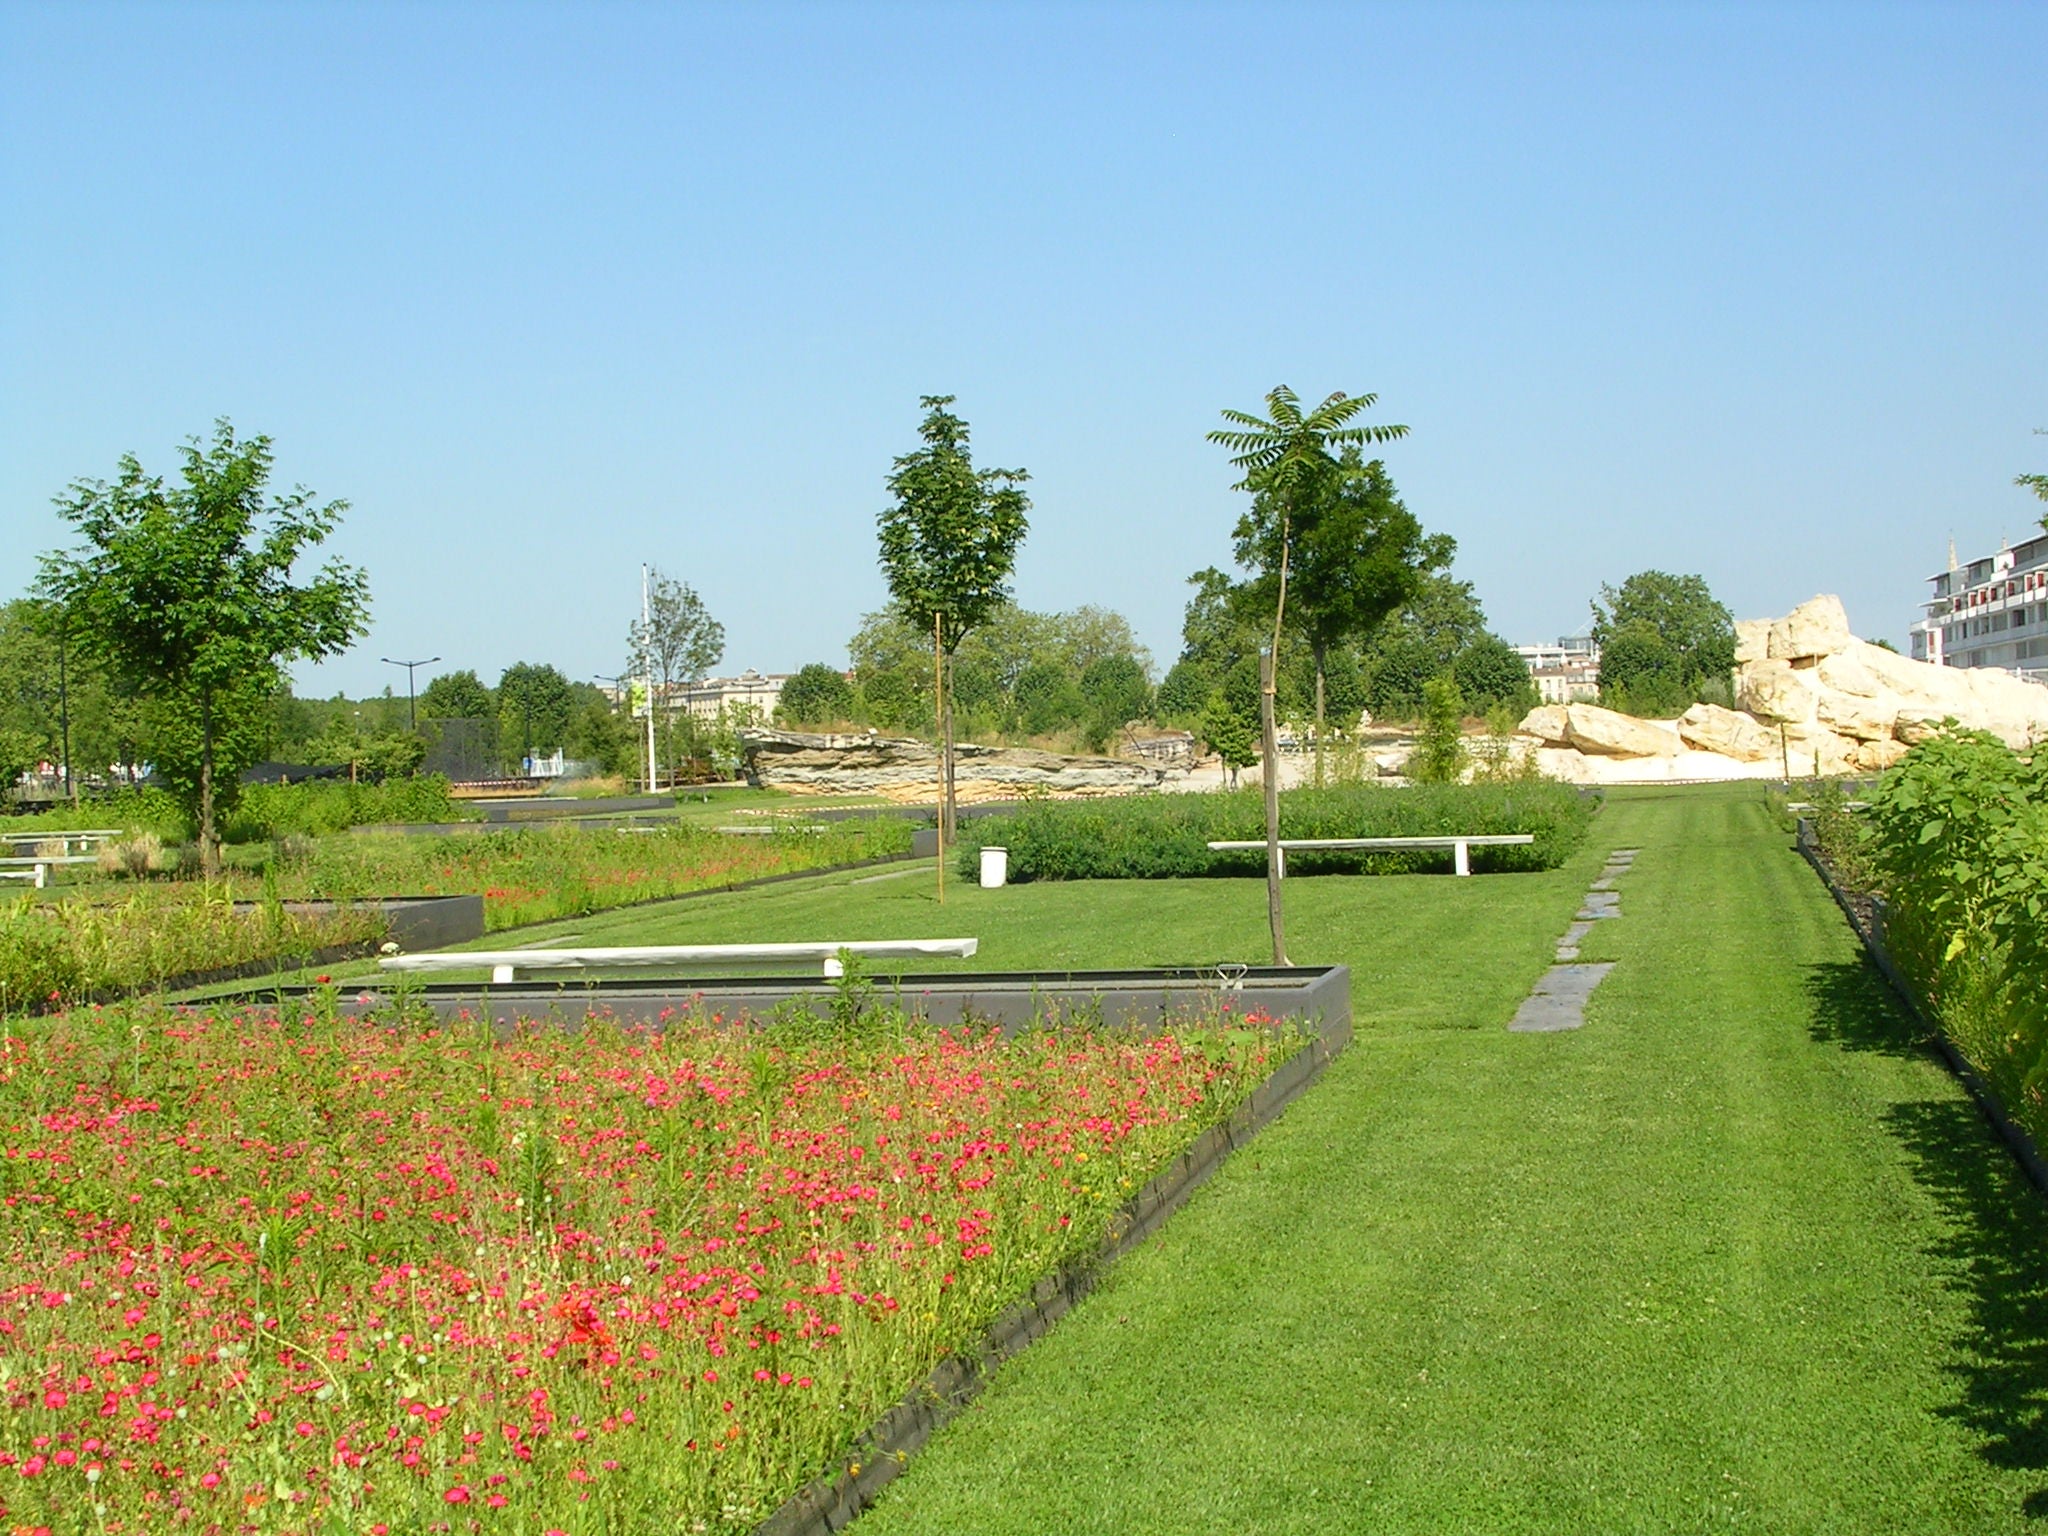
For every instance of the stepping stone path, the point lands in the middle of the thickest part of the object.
(1559, 999)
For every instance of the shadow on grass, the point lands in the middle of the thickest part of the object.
(1995, 1249)
(1855, 1007)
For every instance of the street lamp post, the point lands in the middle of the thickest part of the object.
(412, 712)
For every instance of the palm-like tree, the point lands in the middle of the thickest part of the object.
(1284, 455)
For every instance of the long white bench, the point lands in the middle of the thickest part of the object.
(1461, 859)
(36, 868)
(84, 838)
(506, 964)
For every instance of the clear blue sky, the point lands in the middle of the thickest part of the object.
(1754, 291)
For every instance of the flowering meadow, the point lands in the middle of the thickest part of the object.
(532, 876)
(269, 1274)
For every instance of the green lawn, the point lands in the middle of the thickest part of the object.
(1733, 1256)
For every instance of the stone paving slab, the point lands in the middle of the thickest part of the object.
(1600, 904)
(1559, 1001)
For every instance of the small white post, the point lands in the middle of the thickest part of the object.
(1461, 860)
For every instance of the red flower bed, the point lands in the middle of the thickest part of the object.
(267, 1274)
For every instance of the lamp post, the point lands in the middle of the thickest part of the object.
(412, 713)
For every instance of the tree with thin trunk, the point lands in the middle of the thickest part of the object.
(948, 546)
(186, 590)
(1358, 554)
(678, 642)
(1285, 455)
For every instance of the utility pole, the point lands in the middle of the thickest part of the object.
(647, 673)
(412, 708)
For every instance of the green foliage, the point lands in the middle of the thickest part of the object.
(1640, 674)
(535, 704)
(1491, 673)
(1424, 639)
(950, 540)
(1674, 638)
(186, 591)
(1113, 691)
(1958, 836)
(1231, 734)
(457, 696)
(816, 695)
(1440, 756)
(1159, 836)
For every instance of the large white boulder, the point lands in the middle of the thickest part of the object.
(1817, 627)
(1726, 733)
(1547, 724)
(1752, 640)
(1776, 690)
(1609, 733)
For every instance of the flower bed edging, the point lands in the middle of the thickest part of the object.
(834, 1500)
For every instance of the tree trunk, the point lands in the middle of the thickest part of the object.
(1319, 653)
(939, 720)
(1269, 669)
(1274, 917)
(209, 843)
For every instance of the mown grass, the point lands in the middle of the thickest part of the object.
(1734, 1256)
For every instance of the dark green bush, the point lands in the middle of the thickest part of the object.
(266, 812)
(1161, 836)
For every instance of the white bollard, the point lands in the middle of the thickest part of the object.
(995, 868)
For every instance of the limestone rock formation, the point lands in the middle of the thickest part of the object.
(1609, 733)
(1812, 699)
(908, 770)
(1727, 732)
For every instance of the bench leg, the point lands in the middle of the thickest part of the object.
(42, 875)
(834, 970)
(501, 974)
(1461, 859)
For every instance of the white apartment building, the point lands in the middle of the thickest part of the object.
(1991, 612)
(1564, 673)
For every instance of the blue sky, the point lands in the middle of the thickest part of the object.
(545, 291)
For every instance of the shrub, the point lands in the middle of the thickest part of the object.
(1162, 836)
(1440, 755)
(1957, 835)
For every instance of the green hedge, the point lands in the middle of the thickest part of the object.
(1161, 836)
(263, 812)
(1957, 835)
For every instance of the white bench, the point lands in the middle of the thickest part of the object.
(1461, 859)
(84, 839)
(506, 964)
(37, 868)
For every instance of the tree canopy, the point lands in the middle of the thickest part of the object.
(1662, 638)
(816, 695)
(186, 590)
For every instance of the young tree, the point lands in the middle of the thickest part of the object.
(948, 546)
(1358, 555)
(186, 589)
(1440, 756)
(1285, 457)
(678, 642)
(1231, 734)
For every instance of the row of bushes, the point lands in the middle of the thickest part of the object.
(263, 812)
(1161, 836)
(1956, 841)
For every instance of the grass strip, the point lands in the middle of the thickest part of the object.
(1737, 1255)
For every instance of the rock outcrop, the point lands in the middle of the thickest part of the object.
(908, 770)
(1811, 697)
